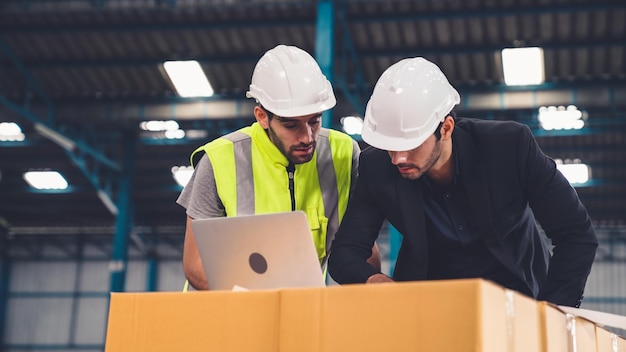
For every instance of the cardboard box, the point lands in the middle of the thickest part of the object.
(565, 332)
(452, 315)
(193, 321)
(602, 319)
(607, 341)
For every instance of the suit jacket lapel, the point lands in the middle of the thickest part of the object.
(411, 206)
(474, 179)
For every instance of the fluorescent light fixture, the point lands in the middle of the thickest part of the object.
(55, 136)
(188, 78)
(10, 131)
(45, 179)
(176, 134)
(352, 124)
(574, 171)
(523, 66)
(155, 125)
(182, 174)
(561, 118)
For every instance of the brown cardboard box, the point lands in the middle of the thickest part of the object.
(194, 321)
(564, 332)
(452, 315)
(606, 341)
(621, 344)
(602, 319)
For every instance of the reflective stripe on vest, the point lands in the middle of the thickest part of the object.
(321, 187)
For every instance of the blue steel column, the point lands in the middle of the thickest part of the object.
(395, 240)
(123, 224)
(153, 272)
(324, 46)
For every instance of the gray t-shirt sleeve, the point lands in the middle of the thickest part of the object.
(200, 196)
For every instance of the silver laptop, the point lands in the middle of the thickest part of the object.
(258, 252)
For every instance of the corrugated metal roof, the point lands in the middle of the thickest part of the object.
(99, 62)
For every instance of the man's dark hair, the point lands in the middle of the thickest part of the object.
(437, 132)
(270, 114)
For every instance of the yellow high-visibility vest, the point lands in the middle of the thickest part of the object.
(251, 178)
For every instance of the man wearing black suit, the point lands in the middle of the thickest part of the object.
(464, 193)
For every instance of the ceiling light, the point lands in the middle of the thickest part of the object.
(560, 118)
(182, 174)
(156, 125)
(352, 124)
(176, 134)
(188, 78)
(522, 66)
(10, 131)
(45, 180)
(574, 171)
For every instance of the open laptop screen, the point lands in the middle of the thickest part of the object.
(266, 251)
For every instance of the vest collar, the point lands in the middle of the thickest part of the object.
(265, 145)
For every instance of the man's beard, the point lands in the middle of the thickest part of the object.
(419, 171)
(289, 154)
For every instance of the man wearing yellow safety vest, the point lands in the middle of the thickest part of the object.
(284, 161)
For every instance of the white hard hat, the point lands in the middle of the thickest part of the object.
(288, 82)
(409, 101)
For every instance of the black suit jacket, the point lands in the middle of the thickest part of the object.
(509, 183)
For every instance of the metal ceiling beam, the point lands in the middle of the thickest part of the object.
(479, 49)
(290, 21)
(483, 12)
(608, 95)
(31, 83)
(157, 27)
(489, 102)
(157, 61)
(83, 154)
(362, 53)
(611, 84)
(46, 126)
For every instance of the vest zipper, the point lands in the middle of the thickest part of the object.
(291, 169)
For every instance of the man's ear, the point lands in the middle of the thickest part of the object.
(447, 127)
(261, 117)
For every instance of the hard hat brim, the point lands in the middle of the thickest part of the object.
(393, 144)
(327, 104)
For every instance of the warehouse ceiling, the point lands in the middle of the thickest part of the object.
(92, 71)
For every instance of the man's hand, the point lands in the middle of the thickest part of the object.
(374, 260)
(378, 278)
